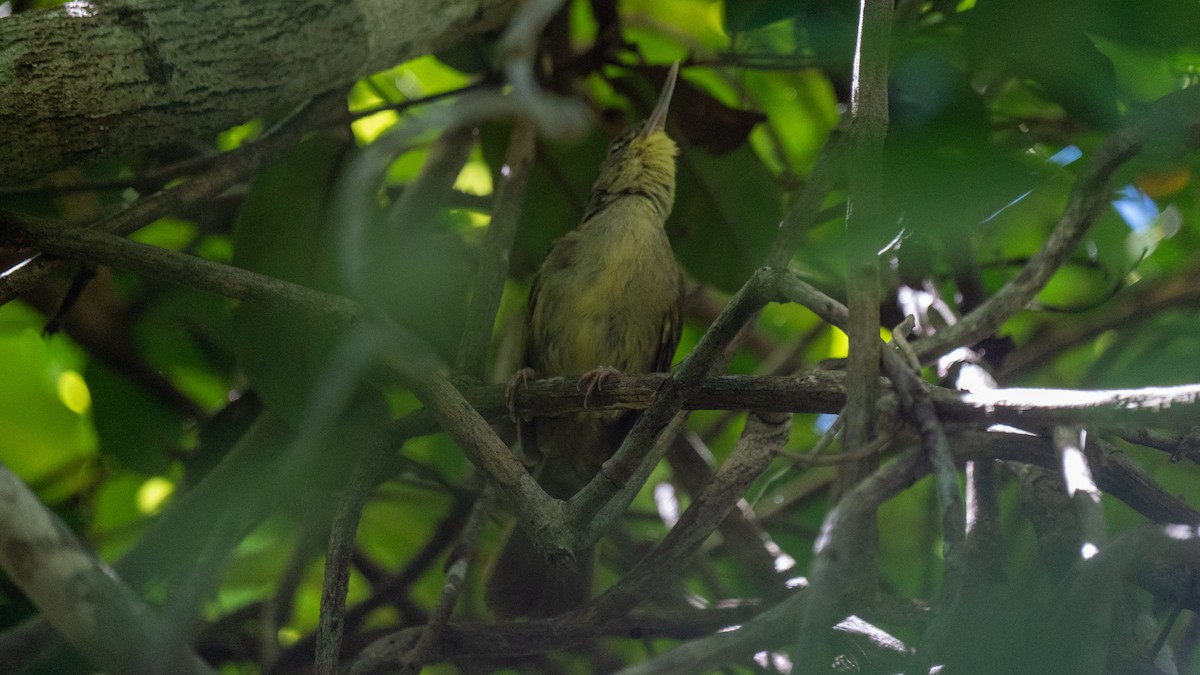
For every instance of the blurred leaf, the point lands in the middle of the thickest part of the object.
(559, 184)
(116, 520)
(898, 518)
(1157, 351)
(42, 437)
(801, 107)
(187, 335)
(1164, 182)
(742, 15)
(398, 523)
(1142, 74)
(704, 121)
(424, 279)
(282, 231)
(1157, 24)
(1048, 42)
(697, 21)
(134, 428)
(726, 214)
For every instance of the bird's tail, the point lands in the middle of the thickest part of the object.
(522, 583)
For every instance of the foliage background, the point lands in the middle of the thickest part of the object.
(118, 418)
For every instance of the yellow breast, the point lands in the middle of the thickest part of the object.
(605, 294)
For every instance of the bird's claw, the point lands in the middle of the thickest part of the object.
(518, 380)
(593, 381)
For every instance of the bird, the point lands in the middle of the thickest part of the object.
(606, 300)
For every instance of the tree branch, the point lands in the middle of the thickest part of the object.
(336, 582)
(865, 223)
(594, 507)
(1139, 302)
(865, 218)
(917, 403)
(1173, 119)
(79, 595)
(764, 435)
(1013, 406)
(775, 626)
(132, 75)
(466, 640)
(228, 170)
(233, 282)
(822, 391)
(494, 252)
(456, 572)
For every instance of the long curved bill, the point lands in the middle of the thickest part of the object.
(658, 117)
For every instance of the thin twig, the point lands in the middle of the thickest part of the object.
(456, 572)
(337, 567)
(1138, 302)
(743, 534)
(809, 459)
(227, 280)
(770, 628)
(1166, 121)
(494, 252)
(277, 610)
(613, 482)
(541, 515)
(865, 221)
(466, 640)
(392, 590)
(1069, 443)
(762, 437)
(233, 168)
(918, 405)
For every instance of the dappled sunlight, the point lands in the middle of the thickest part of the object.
(1149, 398)
(474, 179)
(775, 662)
(73, 392)
(367, 129)
(80, 9)
(667, 504)
(153, 494)
(1077, 474)
(1181, 532)
(856, 625)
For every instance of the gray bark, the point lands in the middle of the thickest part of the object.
(92, 79)
(83, 599)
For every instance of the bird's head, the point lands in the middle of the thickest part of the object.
(641, 161)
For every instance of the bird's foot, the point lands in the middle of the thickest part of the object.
(518, 380)
(593, 381)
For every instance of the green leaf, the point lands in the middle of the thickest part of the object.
(559, 184)
(1048, 43)
(134, 428)
(743, 15)
(44, 413)
(282, 230)
(726, 214)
